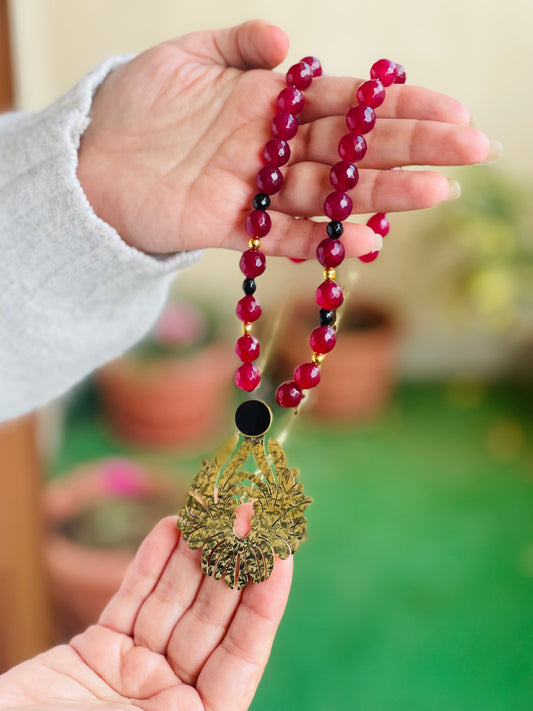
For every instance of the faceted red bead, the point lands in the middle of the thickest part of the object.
(290, 99)
(343, 175)
(399, 75)
(288, 394)
(247, 348)
(370, 256)
(323, 339)
(299, 75)
(338, 206)
(252, 263)
(352, 147)
(371, 93)
(269, 180)
(360, 118)
(307, 376)
(258, 223)
(248, 309)
(284, 126)
(330, 253)
(315, 65)
(379, 224)
(384, 70)
(329, 295)
(276, 152)
(247, 377)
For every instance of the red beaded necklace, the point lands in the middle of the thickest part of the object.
(344, 175)
(277, 525)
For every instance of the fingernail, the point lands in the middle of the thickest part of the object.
(378, 243)
(495, 151)
(454, 189)
(472, 122)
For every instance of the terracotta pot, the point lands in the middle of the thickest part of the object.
(169, 402)
(81, 578)
(358, 376)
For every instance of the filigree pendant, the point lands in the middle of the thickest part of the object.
(277, 525)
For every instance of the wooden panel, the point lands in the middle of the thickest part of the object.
(25, 622)
(6, 79)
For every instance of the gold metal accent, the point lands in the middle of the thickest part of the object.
(277, 527)
(254, 243)
(318, 358)
(330, 274)
(247, 328)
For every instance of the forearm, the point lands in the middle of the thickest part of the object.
(74, 295)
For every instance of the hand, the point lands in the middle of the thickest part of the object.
(176, 136)
(170, 638)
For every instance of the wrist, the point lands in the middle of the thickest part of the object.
(96, 170)
(91, 172)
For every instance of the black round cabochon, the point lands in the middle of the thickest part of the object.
(253, 418)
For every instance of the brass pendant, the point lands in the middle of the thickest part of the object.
(277, 526)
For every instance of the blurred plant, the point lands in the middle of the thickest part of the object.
(172, 389)
(486, 243)
(119, 502)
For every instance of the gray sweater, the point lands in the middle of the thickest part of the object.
(73, 294)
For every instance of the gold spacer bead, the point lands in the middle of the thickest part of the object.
(318, 358)
(254, 243)
(329, 274)
(247, 328)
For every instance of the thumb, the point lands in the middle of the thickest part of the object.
(253, 45)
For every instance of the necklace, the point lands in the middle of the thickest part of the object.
(233, 548)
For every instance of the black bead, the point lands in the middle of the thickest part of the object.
(249, 286)
(335, 229)
(327, 318)
(253, 418)
(261, 201)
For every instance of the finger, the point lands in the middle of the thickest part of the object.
(307, 184)
(394, 143)
(230, 676)
(141, 577)
(173, 594)
(329, 96)
(298, 239)
(253, 44)
(202, 628)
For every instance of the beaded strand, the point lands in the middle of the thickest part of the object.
(360, 120)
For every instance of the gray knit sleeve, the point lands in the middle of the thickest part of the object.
(72, 294)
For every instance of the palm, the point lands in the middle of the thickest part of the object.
(170, 638)
(176, 136)
(189, 129)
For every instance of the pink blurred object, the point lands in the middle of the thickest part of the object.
(180, 325)
(125, 478)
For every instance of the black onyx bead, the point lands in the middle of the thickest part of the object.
(335, 229)
(261, 202)
(253, 418)
(327, 318)
(249, 286)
